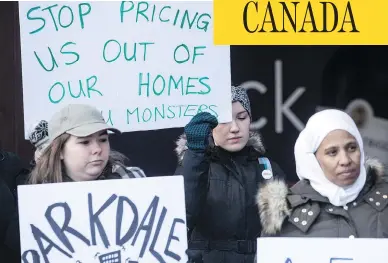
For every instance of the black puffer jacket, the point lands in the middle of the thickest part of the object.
(9, 239)
(220, 189)
(10, 167)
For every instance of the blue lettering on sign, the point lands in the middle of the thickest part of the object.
(340, 259)
(288, 260)
(143, 232)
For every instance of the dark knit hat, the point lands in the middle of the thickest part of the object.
(240, 94)
(38, 135)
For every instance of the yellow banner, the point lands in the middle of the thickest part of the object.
(340, 22)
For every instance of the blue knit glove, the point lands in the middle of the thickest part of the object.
(198, 130)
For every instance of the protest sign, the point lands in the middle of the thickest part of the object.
(109, 221)
(321, 250)
(145, 65)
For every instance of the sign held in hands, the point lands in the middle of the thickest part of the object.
(145, 65)
(137, 220)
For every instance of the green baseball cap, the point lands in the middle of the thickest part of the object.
(80, 120)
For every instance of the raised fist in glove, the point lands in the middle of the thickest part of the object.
(198, 130)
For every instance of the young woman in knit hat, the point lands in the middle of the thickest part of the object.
(79, 149)
(38, 136)
(223, 166)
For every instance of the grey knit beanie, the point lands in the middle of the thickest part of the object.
(38, 134)
(240, 94)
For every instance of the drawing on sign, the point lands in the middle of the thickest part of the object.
(339, 259)
(123, 248)
(146, 65)
(332, 260)
(111, 257)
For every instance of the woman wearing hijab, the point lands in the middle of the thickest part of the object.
(222, 165)
(339, 193)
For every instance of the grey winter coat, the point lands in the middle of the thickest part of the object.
(303, 212)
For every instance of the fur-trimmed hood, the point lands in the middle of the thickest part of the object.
(272, 200)
(254, 140)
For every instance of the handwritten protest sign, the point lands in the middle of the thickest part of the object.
(110, 221)
(145, 65)
(321, 250)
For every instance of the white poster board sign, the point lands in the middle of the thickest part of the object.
(321, 250)
(145, 65)
(110, 221)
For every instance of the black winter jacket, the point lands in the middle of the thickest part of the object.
(220, 190)
(10, 167)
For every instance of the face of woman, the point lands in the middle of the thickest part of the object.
(339, 157)
(234, 135)
(86, 157)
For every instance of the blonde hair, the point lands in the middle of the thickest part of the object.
(49, 167)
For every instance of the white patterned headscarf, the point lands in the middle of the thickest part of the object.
(307, 166)
(240, 94)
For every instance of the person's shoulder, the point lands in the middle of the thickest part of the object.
(23, 177)
(10, 160)
(272, 167)
(128, 172)
(3, 186)
(6, 196)
(136, 172)
(11, 166)
(376, 186)
(272, 203)
(375, 169)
